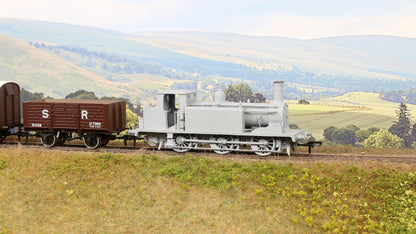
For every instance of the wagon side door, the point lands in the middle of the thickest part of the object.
(65, 116)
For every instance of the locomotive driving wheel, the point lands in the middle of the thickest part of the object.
(48, 140)
(182, 145)
(223, 146)
(263, 146)
(92, 141)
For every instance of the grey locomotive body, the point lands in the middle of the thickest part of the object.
(219, 125)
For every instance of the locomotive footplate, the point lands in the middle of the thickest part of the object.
(311, 144)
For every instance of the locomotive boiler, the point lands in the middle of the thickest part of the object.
(179, 122)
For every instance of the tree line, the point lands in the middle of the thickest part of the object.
(117, 64)
(242, 93)
(402, 133)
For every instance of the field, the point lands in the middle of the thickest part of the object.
(50, 191)
(362, 109)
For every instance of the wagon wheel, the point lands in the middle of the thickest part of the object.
(182, 145)
(263, 146)
(223, 147)
(92, 141)
(48, 140)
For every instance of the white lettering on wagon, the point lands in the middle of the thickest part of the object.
(45, 114)
(95, 124)
(38, 125)
(84, 114)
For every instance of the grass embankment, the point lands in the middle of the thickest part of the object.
(52, 191)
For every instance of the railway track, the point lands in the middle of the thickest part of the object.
(313, 157)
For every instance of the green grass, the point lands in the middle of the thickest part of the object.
(44, 191)
(298, 110)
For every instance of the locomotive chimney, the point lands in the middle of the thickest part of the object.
(278, 91)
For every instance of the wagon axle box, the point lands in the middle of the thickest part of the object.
(79, 116)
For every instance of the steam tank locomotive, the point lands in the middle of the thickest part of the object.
(179, 122)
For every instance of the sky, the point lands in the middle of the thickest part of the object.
(302, 19)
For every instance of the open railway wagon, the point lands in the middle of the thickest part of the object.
(179, 122)
(9, 108)
(93, 121)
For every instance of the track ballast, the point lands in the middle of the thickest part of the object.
(312, 157)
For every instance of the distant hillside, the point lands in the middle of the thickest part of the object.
(282, 53)
(399, 48)
(101, 40)
(406, 96)
(37, 70)
(310, 67)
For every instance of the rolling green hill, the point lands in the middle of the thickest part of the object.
(103, 41)
(39, 71)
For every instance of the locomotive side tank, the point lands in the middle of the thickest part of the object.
(180, 122)
(9, 108)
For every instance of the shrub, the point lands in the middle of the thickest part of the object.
(362, 134)
(344, 136)
(384, 139)
(328, 132)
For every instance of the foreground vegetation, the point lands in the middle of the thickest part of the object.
(53, 191)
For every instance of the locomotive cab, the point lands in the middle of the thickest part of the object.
(169, 111)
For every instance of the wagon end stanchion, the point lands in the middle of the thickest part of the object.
(311, 145)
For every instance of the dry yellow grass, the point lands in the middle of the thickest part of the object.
(46, 191)
(52, 191)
